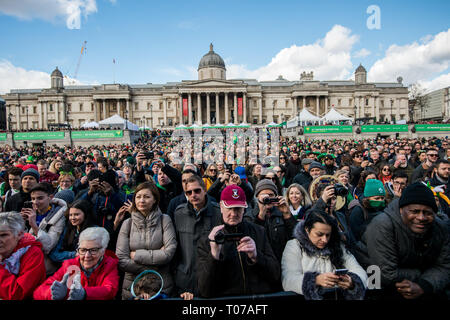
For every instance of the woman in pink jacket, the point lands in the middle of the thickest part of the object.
(91, 275)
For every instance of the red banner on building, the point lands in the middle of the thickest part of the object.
(185, 107)
(239, 100)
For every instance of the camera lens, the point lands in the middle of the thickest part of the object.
(219, 238)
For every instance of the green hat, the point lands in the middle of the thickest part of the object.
(373, 188)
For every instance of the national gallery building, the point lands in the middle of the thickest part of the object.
(212, 99)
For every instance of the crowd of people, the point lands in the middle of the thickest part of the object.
(128, 222)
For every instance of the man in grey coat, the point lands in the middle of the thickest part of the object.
(411, 246)
(192, 220)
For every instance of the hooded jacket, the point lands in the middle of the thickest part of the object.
(102, 284)
(302, 262)
(233, 273)
(154, 242)
(31, 272)
(402, 254)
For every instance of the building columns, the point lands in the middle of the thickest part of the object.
(96, 104)
(45, 105)
(199, 109)
(226, 108)
(104, 109)
(190, 109)
(317, 106)
(235, 109)
(326, 104)
(57, 112)
(260, 109)
(208, 108)
(165, 111)
(118, 107)
(217, 109)
(40, 115)
(244, 105)
(377, 108)
(17, 117)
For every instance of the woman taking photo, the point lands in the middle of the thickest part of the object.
(147, 240)
(79, 216)
(298, 201)
(310, 261)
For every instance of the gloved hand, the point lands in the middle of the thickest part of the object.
(76, 289)
(59, 289)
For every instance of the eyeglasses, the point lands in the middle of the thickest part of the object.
(432, 155)
(213, 170)
(92, 251)
(400, 183)
(358, 156)
(386, 169)
(196, 191)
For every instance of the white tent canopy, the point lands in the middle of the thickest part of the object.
(117, 121)
(334, 116)
(92, 124)
(305, 117)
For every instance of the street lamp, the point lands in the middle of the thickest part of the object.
(126, 119)
(10, 129)
(392, 103)
(68, 124)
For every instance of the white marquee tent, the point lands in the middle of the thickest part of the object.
(335, 117)
(304, 118)
(92, 124)
(117, 121)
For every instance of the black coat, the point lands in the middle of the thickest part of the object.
(303, 178)
(401, 254)
(279, 230)
(234, 274)
(15, 202)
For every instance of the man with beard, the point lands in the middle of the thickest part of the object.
(411, 247)
(315, 170)
(440, 177)
(330, 166)
(401, 163)
(241, 265)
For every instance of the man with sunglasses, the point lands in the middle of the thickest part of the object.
(192, 220)
(419, 172)
(410, 246)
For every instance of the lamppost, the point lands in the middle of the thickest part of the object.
(70, 127)
(28, 124)
(145, 123)
(10, 130)
(126, 119)
(392, 103)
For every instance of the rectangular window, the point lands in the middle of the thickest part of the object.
(34, 110)
(367, 102)
(92, 107)
(51, 108)
(81, 107)
(382, 103)
(170, 122)
(339, 102)
(136, 106)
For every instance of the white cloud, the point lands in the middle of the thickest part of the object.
(362, 53)
(329, 58)
(12, 77)
(414, 62)
(50, 10)
(440, 82)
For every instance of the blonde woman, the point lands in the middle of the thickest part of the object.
(55, 166)
(210, 175)
(298, 201)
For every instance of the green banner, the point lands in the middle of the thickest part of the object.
(2, 136)
(97, 134)
(328, 129)
(39, 135)
(385, 128)
(433, 127)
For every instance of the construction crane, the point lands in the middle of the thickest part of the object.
(83, 50)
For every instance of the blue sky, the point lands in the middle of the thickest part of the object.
(155, 41)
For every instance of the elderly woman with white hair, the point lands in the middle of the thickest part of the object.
(91, 275)
(22, 267)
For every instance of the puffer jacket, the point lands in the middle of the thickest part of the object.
(22, 272)
(302, 262)
(50, 230)
(234, 274)
(190, 227)
(102, 284)
(154, 241)
(402, 254)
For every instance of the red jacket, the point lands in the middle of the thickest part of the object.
(101, 285)
(31, 272)
(48, 177)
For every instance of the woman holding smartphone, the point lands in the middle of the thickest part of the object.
(311, 259)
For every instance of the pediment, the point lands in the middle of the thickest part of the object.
(212, 83)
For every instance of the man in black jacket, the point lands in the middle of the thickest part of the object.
(29, 178)
(275, 217)
(192, 220)
(244, 264)
(303, 178)
(410, 246)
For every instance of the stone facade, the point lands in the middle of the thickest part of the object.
(210, 99)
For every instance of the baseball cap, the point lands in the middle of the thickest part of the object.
(241, 172)
(233, 197)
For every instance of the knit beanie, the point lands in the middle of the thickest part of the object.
(418, 193)
(373, 188)
(265, 184)
(67, 195)
(315, 164)
(30, 172)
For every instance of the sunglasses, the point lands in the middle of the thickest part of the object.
(432, 154)
(196, 191)
(386, 169)
(213, 170)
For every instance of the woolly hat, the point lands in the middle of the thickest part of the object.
(373, 188)
(67, 195)
(30, 172)
(315, 164)
(265, 184)
(418, 193)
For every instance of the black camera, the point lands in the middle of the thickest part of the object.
(149, 155)
(28, 204)
(269, 200)
(340, 190)
(221, 237)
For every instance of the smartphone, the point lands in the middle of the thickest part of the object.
(340, 272)
(28, 204)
